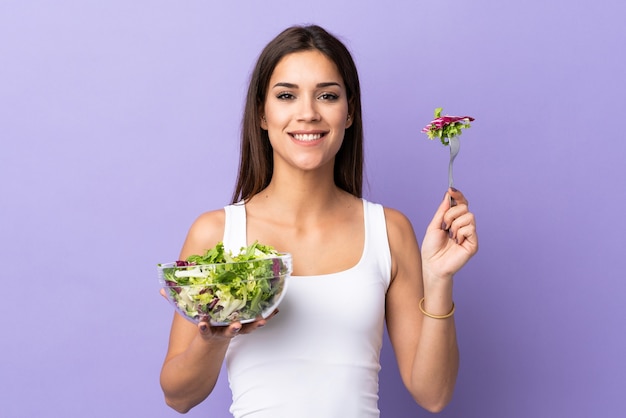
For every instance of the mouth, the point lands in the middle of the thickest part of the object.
(309, 137)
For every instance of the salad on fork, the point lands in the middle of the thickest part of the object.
(448, 129)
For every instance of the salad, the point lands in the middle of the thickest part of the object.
(446, 127)
(222, 288)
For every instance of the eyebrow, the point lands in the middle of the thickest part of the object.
(295, 86)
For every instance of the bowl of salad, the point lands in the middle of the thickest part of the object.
(220, 287)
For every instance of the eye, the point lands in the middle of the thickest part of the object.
(328, 96)
(285, 96)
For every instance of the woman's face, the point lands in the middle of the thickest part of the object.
(305, 111)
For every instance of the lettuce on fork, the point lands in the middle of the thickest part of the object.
(446, 127)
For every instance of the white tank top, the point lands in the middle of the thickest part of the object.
(319, 357)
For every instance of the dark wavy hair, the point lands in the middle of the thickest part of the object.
(256, 159)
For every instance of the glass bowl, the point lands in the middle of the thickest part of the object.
(226, 292)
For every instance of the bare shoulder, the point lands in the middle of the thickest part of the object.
(211, 220)
(399, 226)
(402, 243)
(206, 231)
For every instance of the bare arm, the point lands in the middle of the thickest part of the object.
(426, 348)
(195, 353)
(192, 364)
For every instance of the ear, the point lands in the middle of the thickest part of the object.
(349, 121)
(262, 117)
(350, 117)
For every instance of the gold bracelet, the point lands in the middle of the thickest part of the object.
(448, 315)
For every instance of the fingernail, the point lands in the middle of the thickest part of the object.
(203, 327)
(260, 325)
(450, 233)
(444, 226)
(236, 330)
(453, 189)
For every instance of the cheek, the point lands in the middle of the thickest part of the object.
(275, 118)
(342, 121)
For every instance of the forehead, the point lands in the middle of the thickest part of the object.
(305, 65)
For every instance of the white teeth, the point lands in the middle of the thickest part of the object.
(307, 137)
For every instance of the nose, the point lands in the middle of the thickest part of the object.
(307, 110)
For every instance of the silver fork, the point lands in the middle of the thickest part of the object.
(455, 145)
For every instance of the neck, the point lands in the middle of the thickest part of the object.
(302, 194)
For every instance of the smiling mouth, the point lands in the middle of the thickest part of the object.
(307, 137)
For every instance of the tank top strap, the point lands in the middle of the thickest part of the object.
(377, 242)
(235, 227)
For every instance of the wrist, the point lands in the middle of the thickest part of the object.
(438, 295)
(436, 285)
(431, 314)
(435, 275)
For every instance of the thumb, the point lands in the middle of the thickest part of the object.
(437, 222)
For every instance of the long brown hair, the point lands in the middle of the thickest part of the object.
(256, 162)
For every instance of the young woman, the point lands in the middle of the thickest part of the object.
(355, 263)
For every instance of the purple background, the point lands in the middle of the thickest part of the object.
(119, 124)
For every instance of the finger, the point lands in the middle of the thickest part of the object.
(454, 199)
(248, 328)
(204, 328)
(273, 314)
(454, 213)
(463, 227)
(260, 322)
(208, 331)
(164, 294)
(233, 329)
(457, 196)
(437, 221)
(467, 235)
